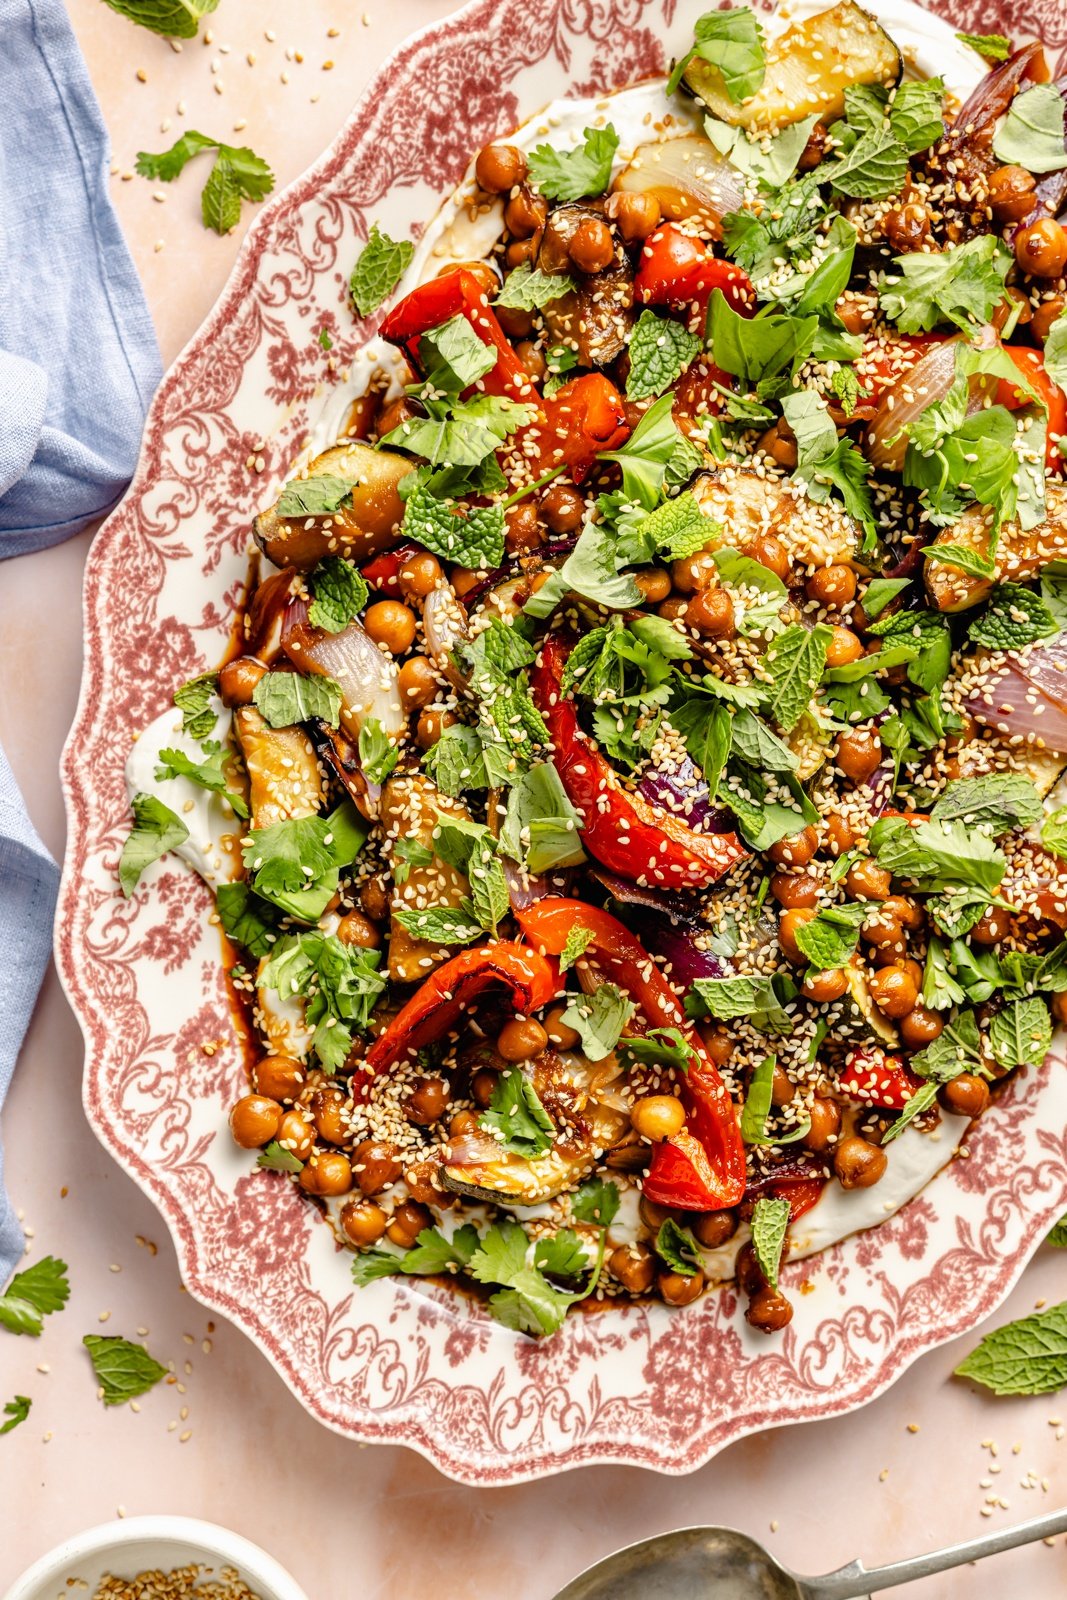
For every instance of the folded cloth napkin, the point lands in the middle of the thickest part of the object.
(78, 366)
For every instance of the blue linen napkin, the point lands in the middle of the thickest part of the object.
(78, 366)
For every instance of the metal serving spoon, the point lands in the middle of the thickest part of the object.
(722, 1564)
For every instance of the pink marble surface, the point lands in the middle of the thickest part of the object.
(906, 1473)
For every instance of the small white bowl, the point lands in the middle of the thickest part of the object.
(140, 1544)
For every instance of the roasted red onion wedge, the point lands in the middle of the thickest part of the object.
(688, 177)
(1024, 695)
(367, 678)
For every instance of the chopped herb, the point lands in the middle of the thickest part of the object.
(596, 1201)
(1024, 1357)
(677, 1247)
(731, 42)
(341, 984)
(443, 924)
(285, 698)
(472, 538)
(319, 495)
(246, 919)
(990, 46)
(832, 935)
(599, 1019)
(237, 174)
(1031, 135)
(517, 1116)
(193, 700)
(937, 855)
(541, 827)
(339, 593)
(660, 350)
(207, 774)
(156, 829)
(920, 1101)
(34, 1294)
(576, 944)
(724, 998)
(794, 663)
(275, 1158)
(16, 1411)
(528, 289)
(1021, 1034)
(961, 285)
(1014, 618)
(1000, 800)
(123, 1370)
(573, 174)
(666, 1047)
(770, 1224)
(379, 267)
(175, 19)
(296, 863)
(378, 755)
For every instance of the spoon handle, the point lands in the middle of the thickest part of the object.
(854, 1581)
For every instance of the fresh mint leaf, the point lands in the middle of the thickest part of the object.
(443, 924)
(770, 1223)
(123, 1370)
(724, 998)
(317, 496)
(920, 1101)
(927, 632)
(193, 700)
(1014, 618)
(794, 664)
(999, 800)
(677, 1248)
(873, 168)
(599, 1019)
(1032, 133)
(529, 289)
(174, 19)
(1021, 1034)
(339, 593)
(990, 46)
(517, 1117)
(284, 698)
(16, 1411)
(246, 919)
(960, 285)
(596, 1201)
(731, 41)
(660, 350)
(832, 935)
(575, 945)
(1055, 356)
(453, 356)
(1024, 1357)
(156, 829)
(473, 538)
(456, 762)
(378, 755)
(574, 174)
(379, 267)
(757, 1109)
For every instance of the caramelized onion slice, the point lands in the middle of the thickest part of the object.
(1025, 696)
(688, 177)
(367, 678)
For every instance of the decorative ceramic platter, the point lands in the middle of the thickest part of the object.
(420, 1366)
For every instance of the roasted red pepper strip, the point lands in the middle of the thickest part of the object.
(1031, 363)
(703, 1167)
(875, 1079)
(459, 293)
(883, 361)
(582, 418)
(639, 841)
(383, 573)
(680, 271)
(530, 980)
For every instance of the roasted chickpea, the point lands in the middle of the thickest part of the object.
(296, 1135)
(675, 607)
(522, 527)
(883, 931)
(525, 213)
(363, 1222)
(907, 227)
(634, 1266)
(788, 923)
(463, 1122)
(909, 913)
(562, 508)
(771, 553)
(783, 1090)
(1047, 313)
(390, 624)
(419, 576)
(839, 836)
(356, 929)
(483, 1086)
(254, 1121)
(407, 1223)
(966, 1096)
(652, 1215)
(992, 926)
(909, 965)
(327, 1110)
(825, 1124)
(692, 573)
(893, 991)
(431, 725)
(428, 1101)
(832, 586)
(658, 1117)
(713, 1228)
(519, 253)
(592, 247)
(392, 414)
(866, 880)
(769, 1311)
(327, 1172)
(920, 1027)
(1041, 248)
(825, 986)
(417, 683)
(844, 646)
(635, 215)
(718, 1043)
(1059, 1008)
(858, 1163)
(856, 310)
(678, 1290)
(424, 1184)
(654, 584)
(859, 753)
(376, 1165)
(796, 849)
(521, 1039)
(374, 899)
(499, 167)
(560, 1034)
(779, 442)
(794, 890)
(464, 579)
(1011, 193)
(278, 1077)
(238, 679)
(815, 148)
(711, 613)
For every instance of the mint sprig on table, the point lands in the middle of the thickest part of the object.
(237, 174)
(123, 1370)
(1024, 1357)
(175, 19)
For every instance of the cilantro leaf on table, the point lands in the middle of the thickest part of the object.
(517, 1117)
(246, 919)
(961, 285)
(677, 1248)
(770, 1224)
(285, 698)
(174, 19)
(1024, 1357)
(1032, 133)
(473, 538)
(665, 1047)
(319, 495)
(123, 1370)
(574, 174)
(1021, 1034)
(33, 1294)
(16, 1411)
(596, 1201)
(207, 774)
(379, 267)
(541, 827)
(990, 46)
(443, 924)
(999, 800)
(1014, 618)
(660, 349)
(156, 829)
(378, 755)
(731, 41)
(599, 1019)
(237, 174)
(576, 944)
(794, 664)
(452, 356)
(296, 863)
(338, 594)
(193, 700)
(527, 288)
(920, 1101)
(725, 998)
(937, 855)
(340, 983)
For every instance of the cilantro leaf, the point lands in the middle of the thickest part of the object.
(156, 829)
(1015, 617)
(660, 350)
(175, 19)
(666, 1047)
(599, 1019)
(1020, 1035)
(296, 863)
(596, 1201)
(340, 983)
(378, 755)
(208, 774)
(999, 800)
(961, 285)
(246, 919)
(525, 1300)
(731, 42)
(16, 1411)
(958, 1048)
(990, 46)
(379, 267)
(284, 698)
(528, 289)
(823, 460)
(474, 538)
(193, 700)
(517, 1116)
(123, 1370)
(677, 1247)
(794, 663)
(1032, 133)
(339, 593)
(34, 1294)
(1024, 1357)
(573, 174)
(770, 1223)
(275, 1158)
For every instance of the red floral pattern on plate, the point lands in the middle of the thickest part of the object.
(422, 1366)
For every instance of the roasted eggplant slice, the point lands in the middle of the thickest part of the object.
(856, 1019)
(582, 1099)
(365, 525)
(748, 504)
(283, 774)
(410, 806)
(809, 67)
(1020, 554)
(594, 319)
